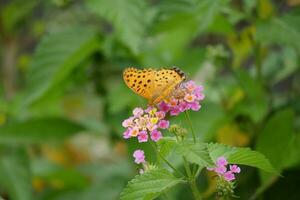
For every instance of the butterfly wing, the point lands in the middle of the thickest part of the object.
(140, 81)
(165, 82)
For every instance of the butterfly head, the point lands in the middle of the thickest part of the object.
(179, 72)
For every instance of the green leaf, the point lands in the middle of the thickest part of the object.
(38, 131)
(276, 139)
(166, 145)
(55, 58)
(149, 185)
(276, 30)
(127, 17)
(196, 153)
(242, 156)
(255, 105)
(15, 177)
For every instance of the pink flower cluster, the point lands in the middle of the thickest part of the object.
(221, 169)
(144, 123)
(187, 96)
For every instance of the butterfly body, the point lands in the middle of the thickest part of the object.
(153, 84)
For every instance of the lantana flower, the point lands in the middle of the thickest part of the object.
(145, 123)
(139, 156)
(222, 170)
(186, 97)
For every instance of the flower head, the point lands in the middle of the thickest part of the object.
(139, 156)
(186, 97)
(222, 170)
(145, 123)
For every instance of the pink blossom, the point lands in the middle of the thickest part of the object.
(126, 134)
(175, 111)
(151, 126)
(235, 169)
(185, 97)
(195, 106)
(173, 102)
(163, 106)
(221, 161)
(160, 114)
(143, 136)
(127, 122)
(134, 132)
(183, 106)
(229, 176)
(189, 98)
(190, 85)
(163, 124)
(139, 156)
(138, 112)
(156, 135)
(220, 169)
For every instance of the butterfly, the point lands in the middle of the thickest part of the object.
(153, 84)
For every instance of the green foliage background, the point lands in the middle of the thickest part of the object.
(62, 98)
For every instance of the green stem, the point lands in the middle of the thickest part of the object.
(188, 119)
(166, 161)
(192, 180)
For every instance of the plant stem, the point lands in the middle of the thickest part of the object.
(192, 180)
(188, 119)
(165, 160)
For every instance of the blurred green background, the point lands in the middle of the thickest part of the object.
(62, 97)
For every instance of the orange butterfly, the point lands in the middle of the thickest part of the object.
(154, 85)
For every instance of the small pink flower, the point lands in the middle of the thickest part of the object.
(163, 106)
(160, 114)
(127, 122)
(229, 176)
(175, 111)
(195, 106)
(139, 156)
(199, 89)
(134, 132)
(221, 161)
(163, 124)
(183, 106)
(173, 102)
(151, 126)
(220, 169)
(143, 136)
(137, 112)
(156, 135)
(235, 169)
(126, 134)
(189, 98)
(191, 86)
